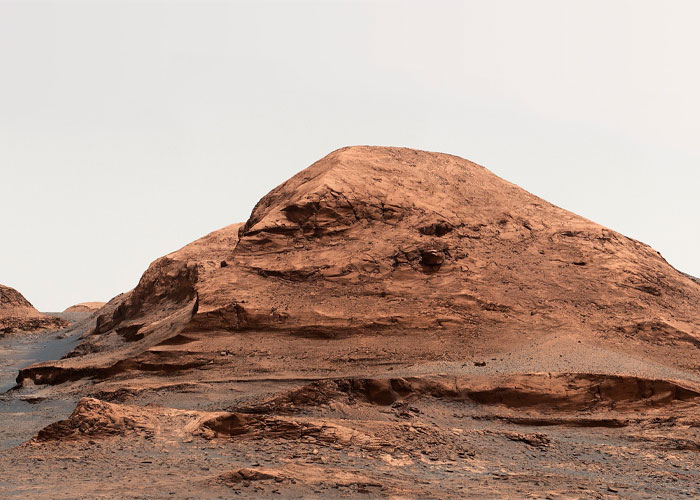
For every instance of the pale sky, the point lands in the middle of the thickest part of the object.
(128, 129)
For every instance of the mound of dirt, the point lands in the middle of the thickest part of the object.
(17, 314)
(85, 307)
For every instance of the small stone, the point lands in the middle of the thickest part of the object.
(432, 258)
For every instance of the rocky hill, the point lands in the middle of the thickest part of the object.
(17, 314)
(85, 307)
(387, 323)
(402, 252)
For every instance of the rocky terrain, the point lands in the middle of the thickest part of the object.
(17, 314)
(387, 323)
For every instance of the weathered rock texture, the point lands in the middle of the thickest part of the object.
(428, 253)
(387, 323)
(17, 314)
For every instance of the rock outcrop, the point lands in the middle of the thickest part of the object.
(17, 314)
(85, 307)
(411, 255)
(387, 323)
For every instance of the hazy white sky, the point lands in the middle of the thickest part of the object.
(128, 129)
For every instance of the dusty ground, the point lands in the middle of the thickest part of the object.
(388, 323)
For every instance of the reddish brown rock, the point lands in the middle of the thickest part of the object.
(85, 307)
(17, 314)
(392, 323)
(428, 253)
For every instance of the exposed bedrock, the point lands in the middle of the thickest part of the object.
(558, 392)
(372, 239)
(549, 394)
(17, 314)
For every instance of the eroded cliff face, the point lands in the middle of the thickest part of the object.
(386, 242)
(17, 314)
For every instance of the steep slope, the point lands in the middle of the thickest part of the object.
(390, 256)
(18, 314)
